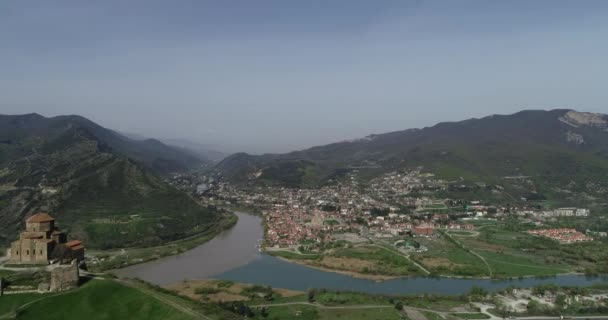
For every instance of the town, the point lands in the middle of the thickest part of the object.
(391, 205)
(401, 212)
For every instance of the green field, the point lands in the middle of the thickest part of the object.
(302, 312)
(97, 299)
(4, 273)
(511, 266)
(512, 252)
(461, 233)
(10, 303)
(293, 255)
(385, 261)
(504, 250)
(333, 298)
(468, 316)
(431, 315)
(306, 312)
(360, 314)
(445, 257)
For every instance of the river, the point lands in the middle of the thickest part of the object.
(233, 255)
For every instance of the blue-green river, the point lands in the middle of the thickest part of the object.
(233, 255)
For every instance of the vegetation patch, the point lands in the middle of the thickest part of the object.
(468, 316)
(100, 299)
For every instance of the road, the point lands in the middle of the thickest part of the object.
(401, 254)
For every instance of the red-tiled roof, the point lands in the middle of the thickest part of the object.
(78, 247)
(40, 217)
(73, 243)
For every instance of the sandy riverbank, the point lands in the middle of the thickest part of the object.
(231, 292)
(353, 274)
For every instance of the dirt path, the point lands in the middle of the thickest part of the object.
(405, 256)
(11, 315)
(472, 252)
(414, 314)
(180, 307)
(185, 309)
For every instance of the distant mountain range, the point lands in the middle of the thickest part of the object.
(103, 186)
(203, 151)
(207, 152)
(558, 154)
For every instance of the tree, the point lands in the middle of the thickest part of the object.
(399, 305)
(477, 293)
(264, 312)
(534, 307)
(268, 296)
(311, 295)
(560, 300)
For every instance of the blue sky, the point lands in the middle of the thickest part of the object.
(274, 76)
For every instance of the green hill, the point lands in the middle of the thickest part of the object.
(108, 299)
(101, 186)
(542, 154)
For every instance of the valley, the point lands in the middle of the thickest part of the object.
(390, 230)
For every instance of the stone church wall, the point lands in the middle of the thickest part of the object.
(64, 277)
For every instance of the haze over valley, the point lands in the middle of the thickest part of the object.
(314, 160)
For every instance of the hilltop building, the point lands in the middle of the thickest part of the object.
(42, 242)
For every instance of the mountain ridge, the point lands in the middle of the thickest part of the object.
(537, 143)
(102, 187)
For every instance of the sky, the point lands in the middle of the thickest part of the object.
(275, 76)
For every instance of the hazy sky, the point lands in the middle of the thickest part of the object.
(264, 76)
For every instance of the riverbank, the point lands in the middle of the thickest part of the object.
(380, 277)
(353, 274)
(235, 247)
(102, 260)
(540, 302)
(234, 255)
(226, 291)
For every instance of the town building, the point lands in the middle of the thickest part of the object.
(563, 235)
(42, 242)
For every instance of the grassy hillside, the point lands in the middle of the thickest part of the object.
(555, 152)
(151, 153)
(78, 174)
(105, 299)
